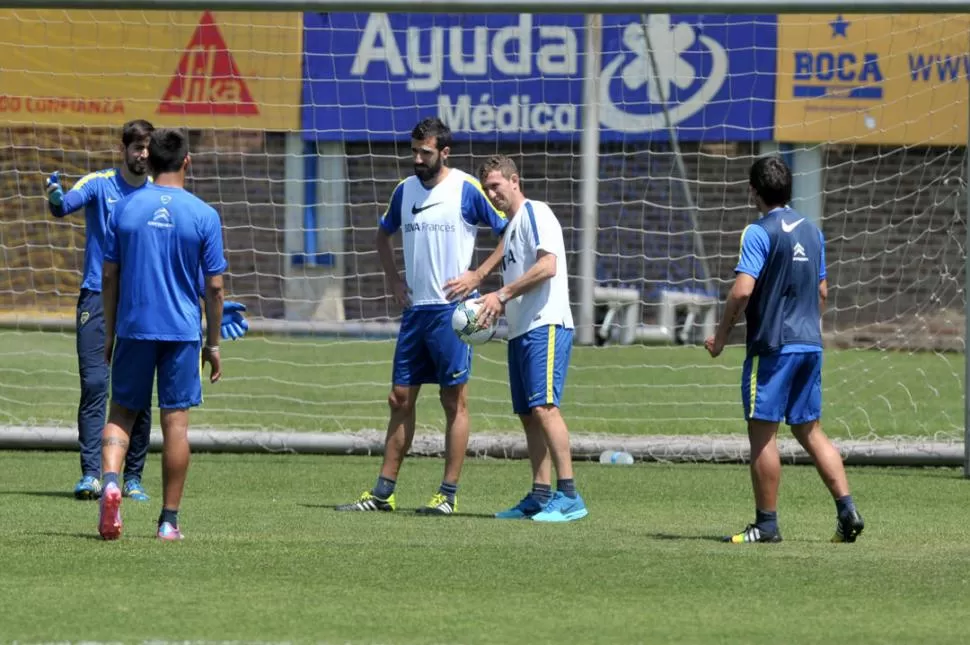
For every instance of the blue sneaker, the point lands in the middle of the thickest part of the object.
(562, 509)
(525, 509)
(134, 490)
(88, 487)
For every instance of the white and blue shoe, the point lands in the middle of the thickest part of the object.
(562, 509)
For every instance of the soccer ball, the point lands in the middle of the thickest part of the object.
(464, 322)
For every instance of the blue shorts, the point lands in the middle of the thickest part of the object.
(782, 387)
(538, 361)
(429, 351)
(133, 367)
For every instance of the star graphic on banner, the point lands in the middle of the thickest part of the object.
(840, 27)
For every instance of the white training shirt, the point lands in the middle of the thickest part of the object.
(439, 228)
(532, 229)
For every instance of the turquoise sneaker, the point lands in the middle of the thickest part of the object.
(88, 487)
(134, 490)
(524, 510)
(562, 509)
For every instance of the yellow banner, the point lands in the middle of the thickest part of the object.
(896, 79)
(189, 69)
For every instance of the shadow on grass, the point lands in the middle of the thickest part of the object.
(93, 536)
(403, 510)
(674, 536)
(84, 536)
(44, 493)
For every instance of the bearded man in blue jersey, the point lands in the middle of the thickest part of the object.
(781, 288)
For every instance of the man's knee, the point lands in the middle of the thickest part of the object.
(454, 400)
(546, 417)
(400, 400)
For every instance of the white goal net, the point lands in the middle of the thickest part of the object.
(299, 126)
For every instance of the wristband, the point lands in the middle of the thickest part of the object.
(502, 298)
(212, 348)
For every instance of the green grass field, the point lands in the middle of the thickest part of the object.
(329, 384)
(267, 560)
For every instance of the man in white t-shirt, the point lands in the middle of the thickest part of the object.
(535, 299)
(438, 211)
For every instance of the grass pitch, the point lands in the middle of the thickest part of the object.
(329, 384)
(266, 559)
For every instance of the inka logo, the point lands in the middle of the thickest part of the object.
(832, 73)
(674, 47)
(207, 81)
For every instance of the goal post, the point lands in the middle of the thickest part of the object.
(638, 128)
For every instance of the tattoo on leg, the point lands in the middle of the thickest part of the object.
(115, 441)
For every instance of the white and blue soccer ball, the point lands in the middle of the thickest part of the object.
(465, 323)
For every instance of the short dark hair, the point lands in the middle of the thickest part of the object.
(770, 178)
(433, 127)
(167, 150)
(136, 130)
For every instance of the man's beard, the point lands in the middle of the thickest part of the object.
(137, 167)
(427, 173)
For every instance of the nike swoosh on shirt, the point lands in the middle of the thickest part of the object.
(788, 228)
(415, 210)
(112, 200)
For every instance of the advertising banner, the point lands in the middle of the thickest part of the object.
(371, 77)
(893, 79)
(187, 69)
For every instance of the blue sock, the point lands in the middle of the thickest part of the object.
(384, 488)
(567, 487)
(109, 478)
(170, 516)
(843, 504)
(767, 521)
(449, 491)
(541, 493)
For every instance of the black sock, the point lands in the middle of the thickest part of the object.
(449, 491)
(843, 504)
(567, 487)
(384, 488)
(109, 478)
(766, 521)
(541, 493)
(170, 516)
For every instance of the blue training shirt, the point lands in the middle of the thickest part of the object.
(99, 193)
(785, 254)
(161, 237)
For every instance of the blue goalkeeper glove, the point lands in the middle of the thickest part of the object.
(55, 194)
(234, 324)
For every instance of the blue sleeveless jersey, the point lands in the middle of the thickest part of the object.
(785, 253)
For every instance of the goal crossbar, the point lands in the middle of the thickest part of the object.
(514, 6)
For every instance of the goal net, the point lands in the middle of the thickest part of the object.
(299, 131)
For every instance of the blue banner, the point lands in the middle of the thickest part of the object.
(371, 77)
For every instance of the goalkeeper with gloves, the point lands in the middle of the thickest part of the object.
(98, 193)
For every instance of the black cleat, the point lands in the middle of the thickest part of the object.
(849, 526)
(752, 533)
(368, 502)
